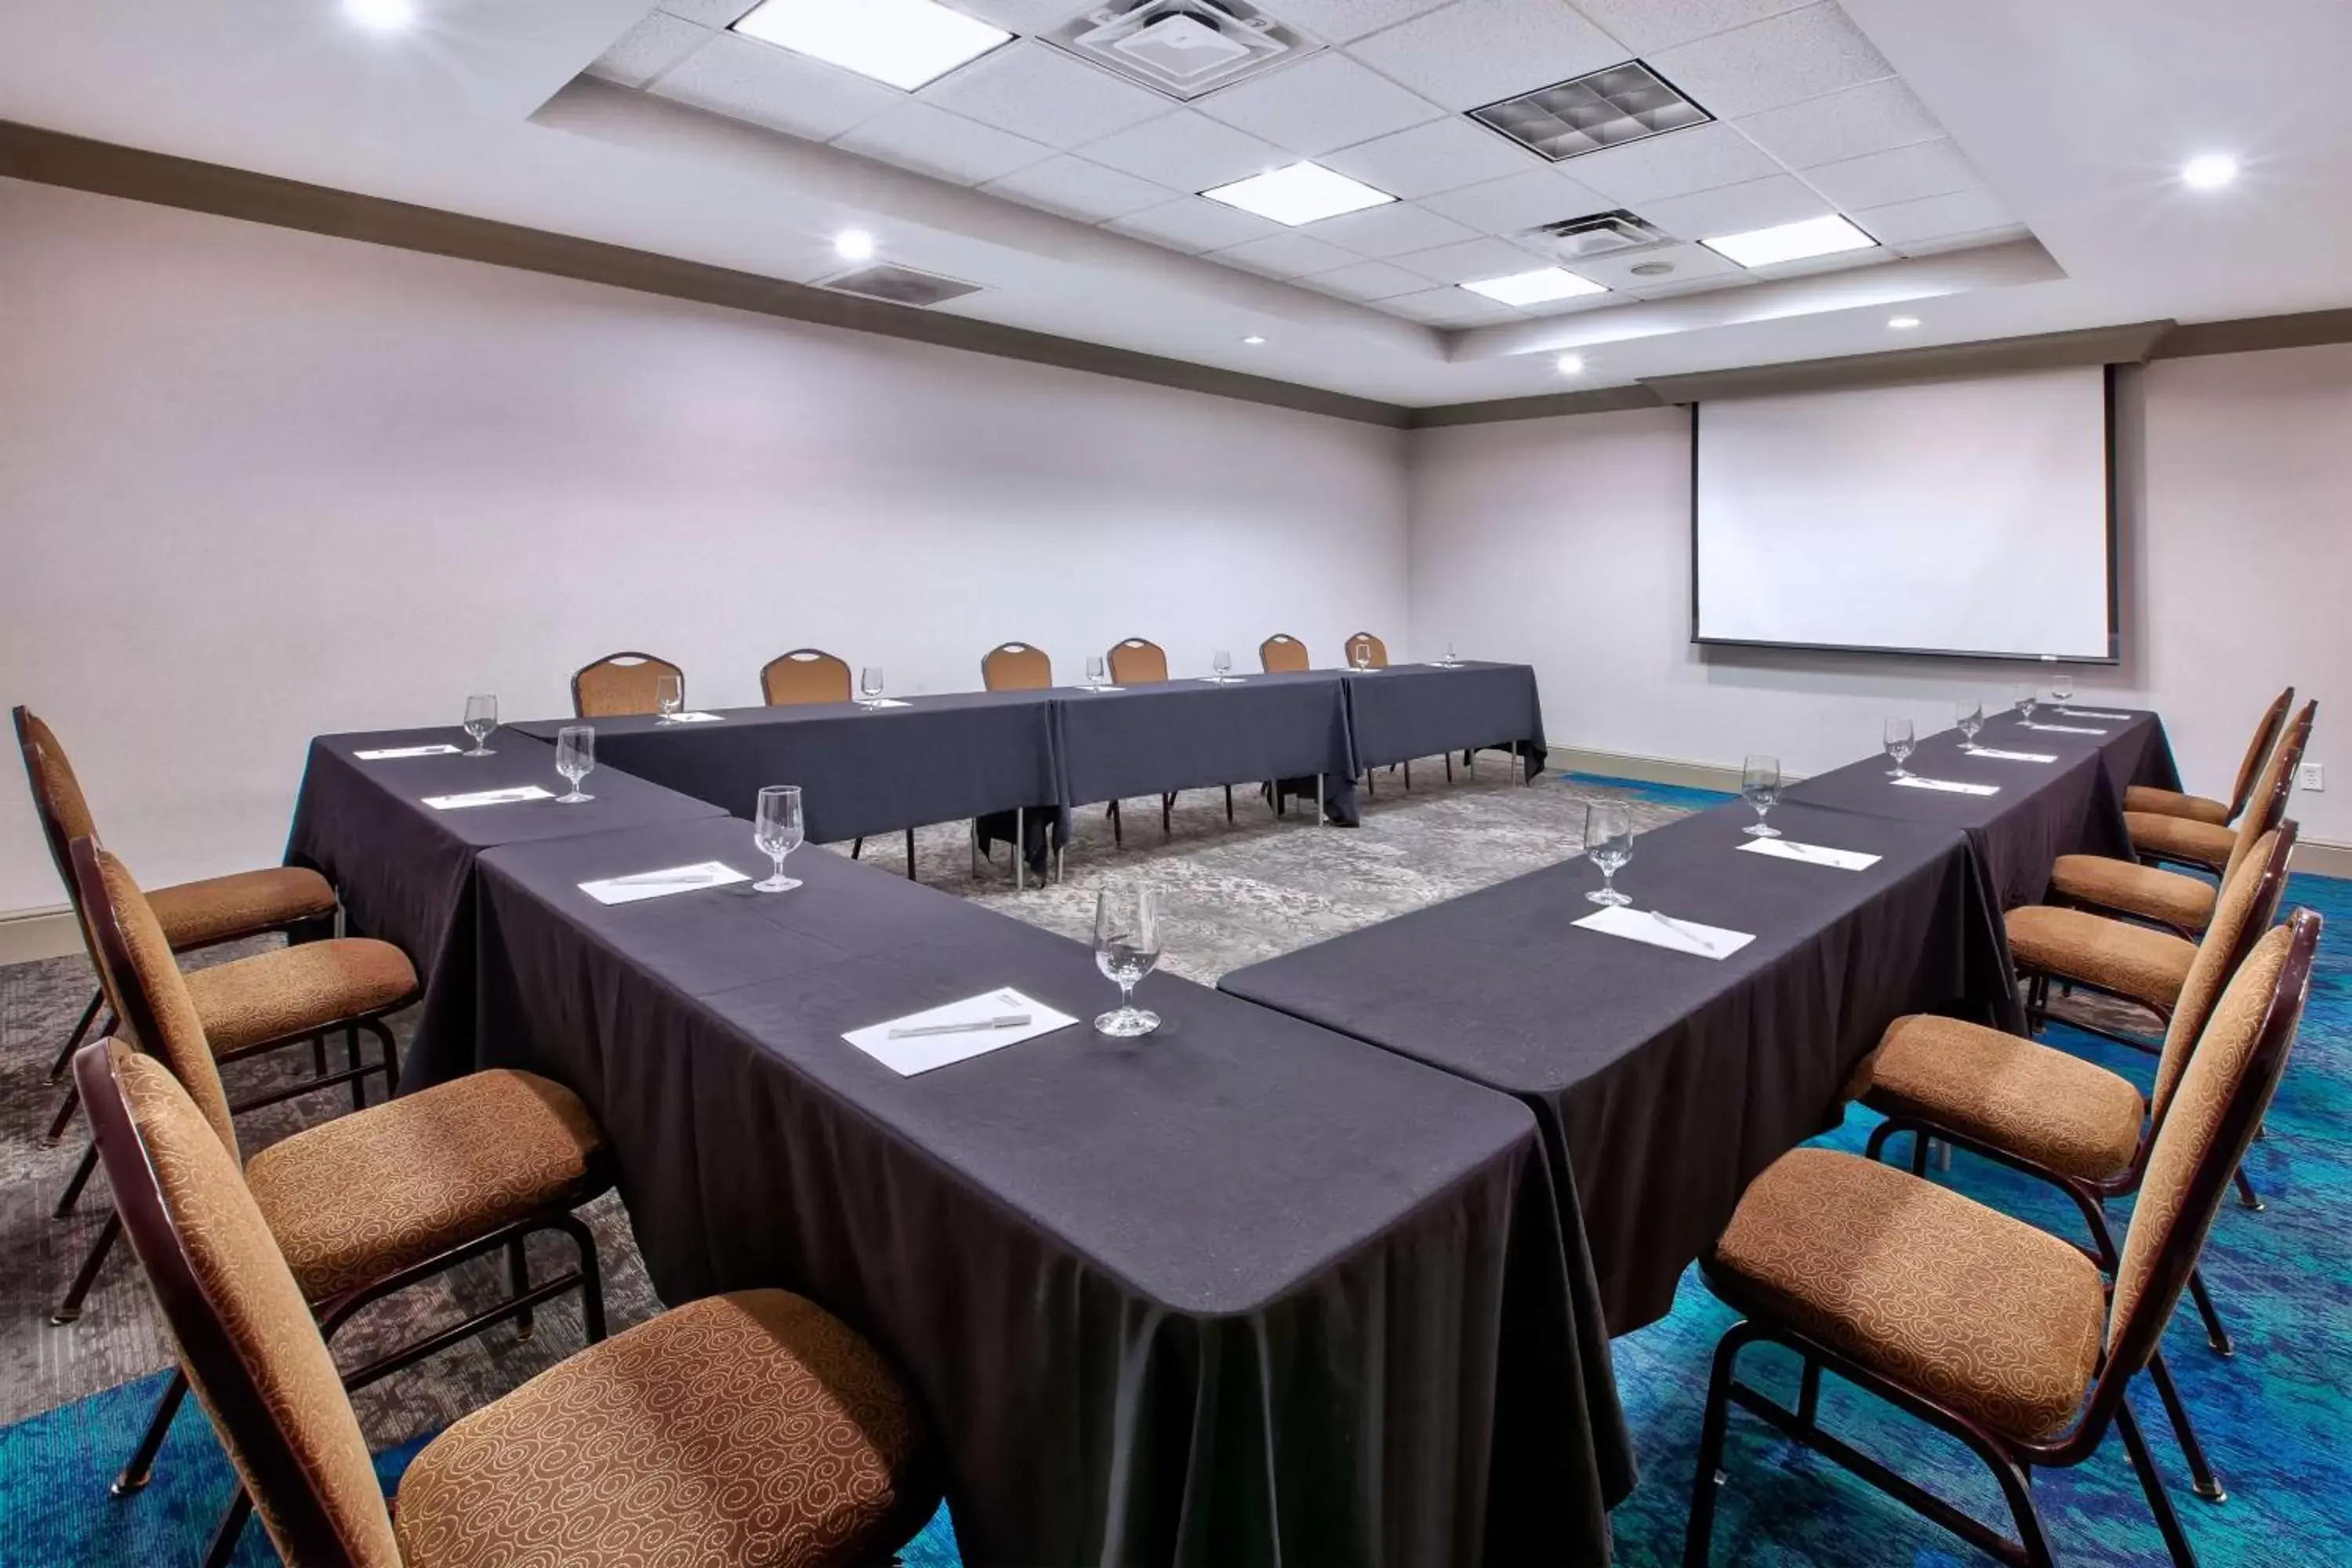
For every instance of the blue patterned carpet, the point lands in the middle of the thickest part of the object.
(2274, 1420)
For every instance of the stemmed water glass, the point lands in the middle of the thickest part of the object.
(1222, 661)
(870, 686)
(1127, 948)
(669, 696)
(1760, 781)
(1970, 720)
(2062, 689)
(1607, 844)
(1449, 661)
(777, 830)
(575, 759)
(1094, 672)
(2026, 698)
(1898, 746)
(481, 718)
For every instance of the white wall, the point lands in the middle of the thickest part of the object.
(1566, 542)
(256, 485)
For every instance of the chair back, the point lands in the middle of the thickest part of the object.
(246, 1339)
(58, 800)
(143, 985)
(803, 675)
(1016, 666)
(2247, 904)
(2223, 1093)
(1135, 661)
(2266, 734)
(2267, 808)
(1371, 645)
(620, 684)
(1281, 652)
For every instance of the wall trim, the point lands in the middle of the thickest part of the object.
(39, 933)
(1648, 770)
(2128, 344)
(2250, 334)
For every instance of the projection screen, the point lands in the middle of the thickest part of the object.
(1970, 517)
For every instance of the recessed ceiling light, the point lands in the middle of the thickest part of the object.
(1650, 268)
(1823, 235)
(1540, 287)
(905, 43)
(1569, 364)
(1253, 340)
(2208, 171)
(381, 15)
(1903, 323)
(1303, 193)
(854, 245)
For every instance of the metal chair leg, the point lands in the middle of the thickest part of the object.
(142, 1466)
(2215, 1334)
(1707, 1480)
(64, 1117)
(1449, 767)
(70, 1308)
(519, 1280)
(911, 854)
(352, 1060)
(230, 1531)
(2203, 1481)
(1117, 832)
(2248, 1198)
(1167, 811)
(73, 1041)
(856, 848)
(1229, 803)
(74, 1184)
(2176, 1541)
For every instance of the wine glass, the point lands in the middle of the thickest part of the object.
(2062, 689)
(777, 830)
(481, 718)
(1760, 781)
(870, 686)
(1127, 948)
(669, 696)
(1898, 746)
(1360, 651)
(1222, 661)
(2026, 697)
(1607, 844)
(1095, 667)
(1449, 661)
(1970, 720)
(575, 759)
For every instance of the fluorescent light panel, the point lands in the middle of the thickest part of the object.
(904, 43)
(1540, 287)
(1303, 193)
(1813, 237)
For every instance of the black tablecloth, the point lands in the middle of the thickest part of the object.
(404, 872)
(1170, 735)
(2072, 806)
(1410, 711)
(1239, 1292)
(1664, 1081)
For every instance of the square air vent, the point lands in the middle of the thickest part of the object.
(1182, 48)
(1603, 234)
(1607, 108)
(899, 285)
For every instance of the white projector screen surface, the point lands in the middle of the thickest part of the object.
(1960, 517)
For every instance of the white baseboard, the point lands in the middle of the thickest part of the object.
(39, 933)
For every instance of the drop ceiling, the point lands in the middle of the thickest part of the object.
(2015, 162)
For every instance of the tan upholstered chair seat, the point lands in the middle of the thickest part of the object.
(2172, 803)
(2182, 838)
(747, 1428)
(2055, 1109)
(2131, 960)
(195, 914)
(296, 989)
(2134, 888)
(1994, 1318)
(355, 1199)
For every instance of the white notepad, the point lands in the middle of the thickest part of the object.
(2091, 713)
(642, 885)
(488, 797)
(1949, 786)
(2060, 729)
(387, 754)
(1812, 854)
(696, 719)
(881, 702)
(1664, 931)
(922, 1054)
(2011, 756)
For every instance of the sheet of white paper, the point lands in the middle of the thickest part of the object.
(2091, 713)
(1221, 681)
(910, 1057)
(1102, 687)
(388, 752)
(886, 702)
(1812, 854)
(1667, 931)
(641, 885)
(698, 719)
(488, 797)
(2065, 729)
(1949, 786)
(2013, 756)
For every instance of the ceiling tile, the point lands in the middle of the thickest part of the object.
(735, 76)
(1079, 189)
(1187, 151)
(709, 13)
(1846, 125)
(1336, 21)
(1903, 174)
(1037, 91)
(1675, 164)
(1023, 15)
(1692, 264)
(946, 146)
(1390, 230)
(649, 48)
(1962, 212)
(1191, 224)
(1470, 262)
(1446, 307)
(1736, 209)
(1476, 51)
(1784, 59)
(1942, 243)
(1325, 101)
(1285, 255)
(1368, 280)
(1444, 155)
(1645, 27)
(1521, 202)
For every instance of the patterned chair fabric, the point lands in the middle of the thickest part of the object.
(2147, 967)
(620, 684)
(1138, 661)
(1016, 666)
(805, 675)
(2172, 803)
(1281, 652)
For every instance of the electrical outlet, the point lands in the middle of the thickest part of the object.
(2311, 776)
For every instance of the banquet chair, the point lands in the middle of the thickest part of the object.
(372, 1202)
(1376, 657)
(1282, 653)
(2064, 1121)
(2160, 837)
(1016, 666)
(289, 900)
(743, 1428)
(2179, 902)
(803, 675)
(1138, 661)
(1998, 1333)
(620, 684)
(2150, 801)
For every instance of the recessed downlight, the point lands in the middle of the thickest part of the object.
(2209, 171)
(854, 245)
(1253, 340)
(902, 43)
(1903, 323)
(1824, 236)
(381, 15)
(1569, 364)
(1300, 193)
(1540, 287)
